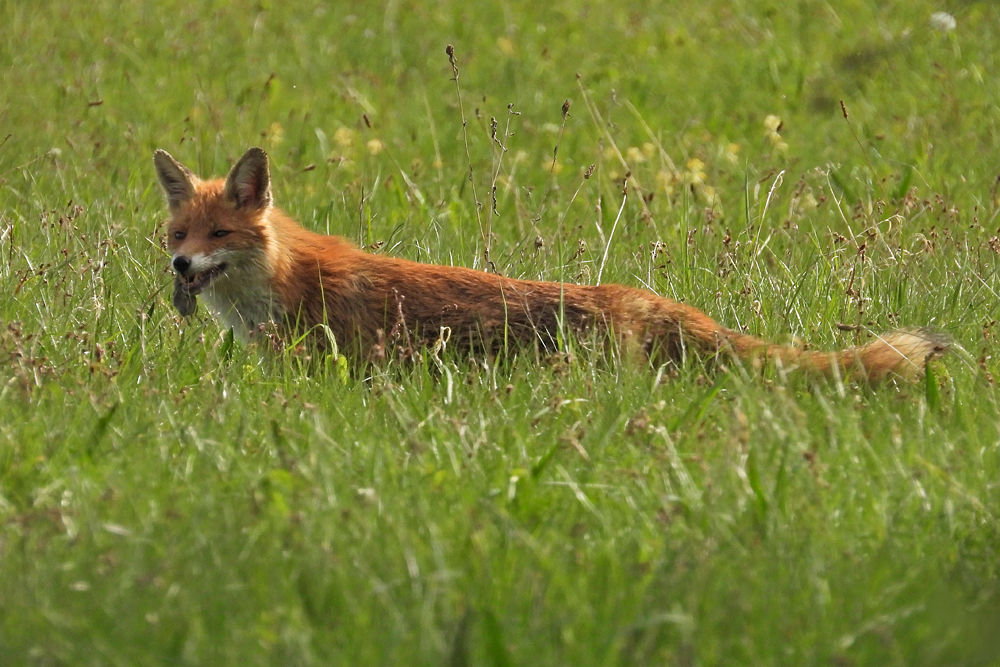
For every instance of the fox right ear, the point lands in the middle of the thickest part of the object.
(176, 179)
(249, 183)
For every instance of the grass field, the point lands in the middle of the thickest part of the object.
(170, 497)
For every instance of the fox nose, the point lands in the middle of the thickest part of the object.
(181, 264)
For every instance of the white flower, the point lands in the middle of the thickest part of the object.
(943, 21)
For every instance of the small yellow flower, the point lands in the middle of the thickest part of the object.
(772, 125)
(695, 171)
(275, 135)
(731, 153)
(505, 45)
(666, 180)
(708, 197)
(547, 164)
(649, 150)
(375, 146)
(804, 203)
(344, 137)
(634, 156)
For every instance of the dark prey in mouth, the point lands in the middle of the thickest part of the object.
(187, 288)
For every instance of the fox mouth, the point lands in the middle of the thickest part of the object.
(196, 282)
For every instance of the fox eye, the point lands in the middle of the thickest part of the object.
(179, 235)
(219, 233)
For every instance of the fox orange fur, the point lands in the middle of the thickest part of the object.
(254, 266)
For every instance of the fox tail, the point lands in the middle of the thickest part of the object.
(898, 354)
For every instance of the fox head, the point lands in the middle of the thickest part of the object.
(218, 232)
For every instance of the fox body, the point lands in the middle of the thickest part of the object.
(255, 267)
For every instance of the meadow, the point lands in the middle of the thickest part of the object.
(813, 172)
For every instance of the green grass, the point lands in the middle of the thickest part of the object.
(170, 497)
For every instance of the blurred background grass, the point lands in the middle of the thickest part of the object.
(168, 498)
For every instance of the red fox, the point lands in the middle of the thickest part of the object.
(254, 266)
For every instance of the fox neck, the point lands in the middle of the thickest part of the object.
(245, 298)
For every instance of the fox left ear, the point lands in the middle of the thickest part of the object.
(177, 180)
(249, 183)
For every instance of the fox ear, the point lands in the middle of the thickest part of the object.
(176, 179)
(249, 183)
